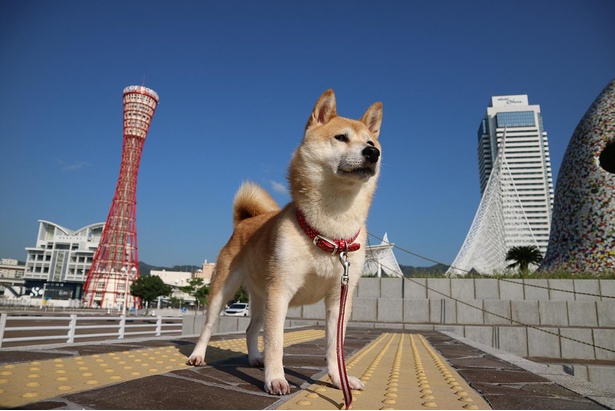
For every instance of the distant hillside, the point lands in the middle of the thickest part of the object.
(437, 270)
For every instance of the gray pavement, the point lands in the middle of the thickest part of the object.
(57, 376)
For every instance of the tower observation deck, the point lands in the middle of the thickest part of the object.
(116, 263)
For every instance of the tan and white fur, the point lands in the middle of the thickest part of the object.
(332, 178)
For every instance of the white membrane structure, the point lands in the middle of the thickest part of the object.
(380, 257)
(499, 224)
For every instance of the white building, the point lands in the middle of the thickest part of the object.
(57, 266)
(206, 272)
(6, 272)
(61, 254)
(516, 187)
(513, 130)
(175, 279)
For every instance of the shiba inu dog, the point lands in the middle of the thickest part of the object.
(289, 257)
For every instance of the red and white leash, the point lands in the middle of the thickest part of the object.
(341, 247)
(341, 362)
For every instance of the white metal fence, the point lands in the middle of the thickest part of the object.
(74, 327)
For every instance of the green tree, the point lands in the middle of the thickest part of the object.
(522, 256)
(197, 289)
(174, 301)
(240, 295)
(149, 288)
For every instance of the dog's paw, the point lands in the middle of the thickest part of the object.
(195, 360)
(354, 382)
(278, 386)
(256, 361)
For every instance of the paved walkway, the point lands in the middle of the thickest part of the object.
(401, 370)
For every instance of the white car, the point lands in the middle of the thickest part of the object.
(238, 309)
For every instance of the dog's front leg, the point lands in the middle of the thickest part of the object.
(332, 302)
(198, 354)
(275, 315)
(223, 286)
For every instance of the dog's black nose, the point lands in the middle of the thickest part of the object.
(371, 154)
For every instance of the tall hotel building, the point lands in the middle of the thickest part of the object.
(513, 130)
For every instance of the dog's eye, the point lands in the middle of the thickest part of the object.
(342, 137)
(371, 143)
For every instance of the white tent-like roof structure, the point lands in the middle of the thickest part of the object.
(380, 257)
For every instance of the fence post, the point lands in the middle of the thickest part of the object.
(159, 326)
(443, 311)
(2, 327)
(122, 327)
(72, 328)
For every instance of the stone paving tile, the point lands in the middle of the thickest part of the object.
(162, 392)
(504, 385)
(520, 402)
(237, 373)
(44, 405)
(483, 361)
(233, 384)
(245, 377)
(500, 377)
(8, 357)
(532, 390)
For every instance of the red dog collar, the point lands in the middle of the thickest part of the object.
(327, 245)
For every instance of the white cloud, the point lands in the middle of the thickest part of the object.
(72, 166)
(279, 187)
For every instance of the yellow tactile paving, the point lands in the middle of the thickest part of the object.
(400, 371)
(24, 383)
(238, 345)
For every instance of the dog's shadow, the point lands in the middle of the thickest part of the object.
(232, 368)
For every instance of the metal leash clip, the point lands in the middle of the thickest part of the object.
(344, 261)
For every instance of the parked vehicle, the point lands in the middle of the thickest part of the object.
(238, 309)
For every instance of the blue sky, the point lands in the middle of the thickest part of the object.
(237, 81)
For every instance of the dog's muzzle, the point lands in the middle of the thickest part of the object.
(371, 154)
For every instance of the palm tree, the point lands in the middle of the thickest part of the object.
(523, 256)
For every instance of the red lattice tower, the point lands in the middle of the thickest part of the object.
(116, 262)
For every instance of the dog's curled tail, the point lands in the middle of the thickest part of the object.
(252, 200)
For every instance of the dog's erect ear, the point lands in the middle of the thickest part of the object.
(324, 110)
(373, 118)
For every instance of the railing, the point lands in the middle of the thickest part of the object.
(73, 327)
